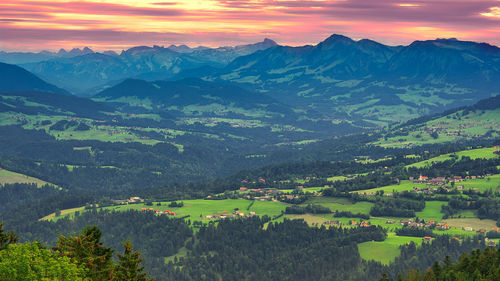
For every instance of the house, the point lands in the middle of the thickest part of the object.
(427, 239)
(492, 243)
(389, 222)
(243, 188)
(468, 228)
(252, 213)
(135, 199)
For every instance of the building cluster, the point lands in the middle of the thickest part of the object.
(423, 224)
(158, 212)
(227, 215)
(260, 193)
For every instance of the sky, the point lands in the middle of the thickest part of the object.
(33, 25)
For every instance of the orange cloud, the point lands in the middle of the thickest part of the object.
(114, 24)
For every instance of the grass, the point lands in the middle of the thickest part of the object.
(198, 209)
(492, 182)
(432, 211)
(470, 126)
(475, 223)
(341, 204)
(386, 251)
(483, 153)
(308, 218)
(64, 213)
(8, 177)
(404, 185)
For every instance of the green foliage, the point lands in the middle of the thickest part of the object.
(478, 265)
(6, 238)
(30, 261)
(129, 265)
(87, 252)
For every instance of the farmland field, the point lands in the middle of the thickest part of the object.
(387, 250)
(475, 223)
(341, 204)
(8, 177)
(432, 211)
(483, 153)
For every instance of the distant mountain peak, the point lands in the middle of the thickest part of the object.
(269, 42)
(338, 38)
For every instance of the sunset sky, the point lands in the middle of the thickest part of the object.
(112, 24)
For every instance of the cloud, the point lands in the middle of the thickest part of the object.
(218, 22)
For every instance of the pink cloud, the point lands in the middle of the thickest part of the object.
(237, 22)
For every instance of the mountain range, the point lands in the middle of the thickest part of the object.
(339, 78)
(86, 72)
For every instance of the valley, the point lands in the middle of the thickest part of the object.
(255, 162)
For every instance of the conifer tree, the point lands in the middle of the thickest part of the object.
(129, 265)
(87, 251)
(6, 238)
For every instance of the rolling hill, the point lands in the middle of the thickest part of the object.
(480, 121)
(366, 80)
(15, 78)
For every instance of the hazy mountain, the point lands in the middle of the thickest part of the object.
(30, 57)
(83, 70)
(15, 78)
(369, 80)
(185, 92)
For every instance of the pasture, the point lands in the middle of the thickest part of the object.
(341, 204)
(8, 177)
(385, 251)
(432, 211)
(483, 153)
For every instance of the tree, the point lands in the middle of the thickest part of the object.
(30, 261)
(129, 265)
(87, 251)
(6, 238)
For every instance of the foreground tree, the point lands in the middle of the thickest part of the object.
(88, 252)
(6, 238)
(30, 261)
(129, 265)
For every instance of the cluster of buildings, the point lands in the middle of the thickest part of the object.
(131, 200)
(260, 194)
(158, 212)
(227, 215)
(423, 224)
(351, 223)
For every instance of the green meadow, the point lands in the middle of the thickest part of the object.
(9, 177)
(483, 153)
(387, 250)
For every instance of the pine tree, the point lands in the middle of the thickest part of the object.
(6, 238)
(87, 251)
(129, 265)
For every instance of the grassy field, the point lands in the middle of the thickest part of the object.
(387, 250)
(470, 126)
(475, 223)
(310, 219)
(404, 185)
(341, 204)
(492, 182)
(484, 153)
(432, 211)
(64, 213)
(8, 177)
(198, 209)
